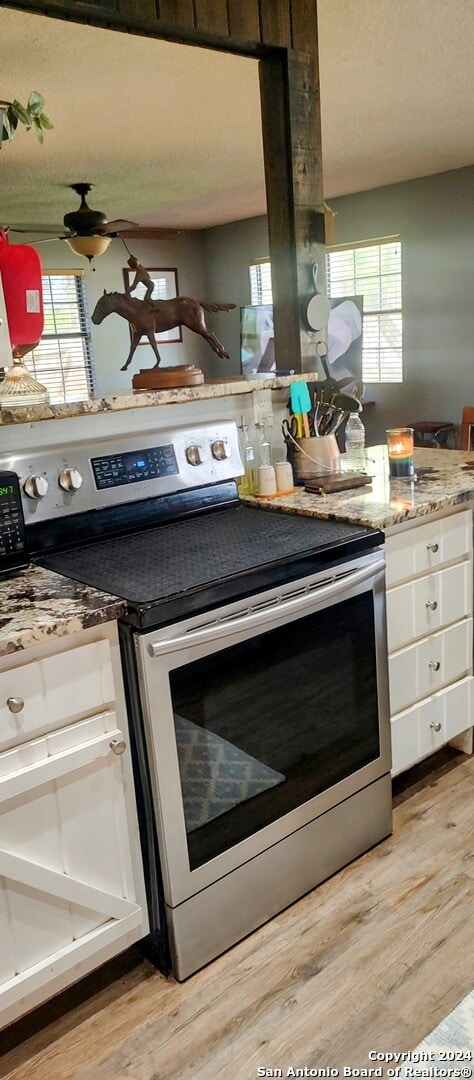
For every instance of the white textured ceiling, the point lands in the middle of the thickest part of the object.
(397, 90)
(170, 135)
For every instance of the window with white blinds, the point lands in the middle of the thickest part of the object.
(373, 270)
(261, 282)
(63, 360)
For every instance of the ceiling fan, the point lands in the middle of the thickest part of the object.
(89, 233)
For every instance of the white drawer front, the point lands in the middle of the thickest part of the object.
(55, 691)
(428, 603)
(419, 731)
(426, 547)
(421, 669)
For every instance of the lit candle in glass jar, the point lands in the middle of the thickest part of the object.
(400, 453)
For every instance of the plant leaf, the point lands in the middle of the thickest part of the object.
(20, 112)
(7, 131)
(13, 121)
(35, 103)
(45, 122)
(37, 128)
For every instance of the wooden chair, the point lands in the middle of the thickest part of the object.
(467, 423)
(433, 433)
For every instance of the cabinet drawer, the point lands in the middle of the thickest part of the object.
(428, 603)
(423, 668)
(425, 547)
(419, 731)
(54, 692)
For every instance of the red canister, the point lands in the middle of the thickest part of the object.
(20, 268)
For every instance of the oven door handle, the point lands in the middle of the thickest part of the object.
(256, 619)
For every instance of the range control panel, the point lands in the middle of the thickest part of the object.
(104, 472)
(115, 470)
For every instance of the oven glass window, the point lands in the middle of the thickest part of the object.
(265, 725)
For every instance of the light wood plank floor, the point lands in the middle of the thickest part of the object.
(372, 959)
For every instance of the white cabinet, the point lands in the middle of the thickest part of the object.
(429, 634)
(55, 690)
(71, 881)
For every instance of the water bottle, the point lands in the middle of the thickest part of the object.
(355, 441)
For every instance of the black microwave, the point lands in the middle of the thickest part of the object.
(13, 540)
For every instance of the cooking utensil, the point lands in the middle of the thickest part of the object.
(348, 402)
(301, 406)
(326, 415)
(330, 385)
(341, 420)
(290, 429)
(317, 312)
(299, 397)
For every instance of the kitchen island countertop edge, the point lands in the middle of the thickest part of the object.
(445, 478)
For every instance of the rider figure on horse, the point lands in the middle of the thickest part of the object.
(141, 276)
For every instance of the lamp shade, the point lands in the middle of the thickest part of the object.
(89, 246)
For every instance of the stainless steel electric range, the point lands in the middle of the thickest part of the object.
(255, 670)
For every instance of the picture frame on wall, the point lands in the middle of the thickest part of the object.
(165, 287)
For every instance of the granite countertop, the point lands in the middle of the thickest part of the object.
(442, 481)
(141, 399)
(37, 605)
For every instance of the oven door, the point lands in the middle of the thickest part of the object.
(261, 716)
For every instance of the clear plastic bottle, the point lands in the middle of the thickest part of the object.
(264, 448)
(355, 441)
(247, 484)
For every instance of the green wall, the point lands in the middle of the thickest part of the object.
(227, 253)
(434, 217)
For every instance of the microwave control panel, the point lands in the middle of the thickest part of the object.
(13, 546)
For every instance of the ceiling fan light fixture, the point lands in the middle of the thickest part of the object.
(89, 246)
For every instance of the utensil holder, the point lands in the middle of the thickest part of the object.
(323, 452)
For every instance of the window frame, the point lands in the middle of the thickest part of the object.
(257, 287)
(84, 333)
(372, 312)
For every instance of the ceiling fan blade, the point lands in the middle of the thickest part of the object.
(144, 233)
(49, 239)
(115, 227)
(11, 228)
(45, 239)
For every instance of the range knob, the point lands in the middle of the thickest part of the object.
(195, 455)
(220, 449)
(70, 480)
(35, 486)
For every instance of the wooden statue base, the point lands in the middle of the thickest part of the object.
(167, 378)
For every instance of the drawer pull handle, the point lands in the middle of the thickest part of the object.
(118, 746)
(15, 704)
(432, 547)
(435, 664)
(431, 604)
(435, 724)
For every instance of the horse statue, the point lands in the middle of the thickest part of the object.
(150, 317)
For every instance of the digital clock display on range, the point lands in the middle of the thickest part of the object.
(115, 470)
(5, 492)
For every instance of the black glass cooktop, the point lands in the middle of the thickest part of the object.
(188, 566)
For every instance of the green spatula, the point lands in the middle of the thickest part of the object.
(301, 403)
